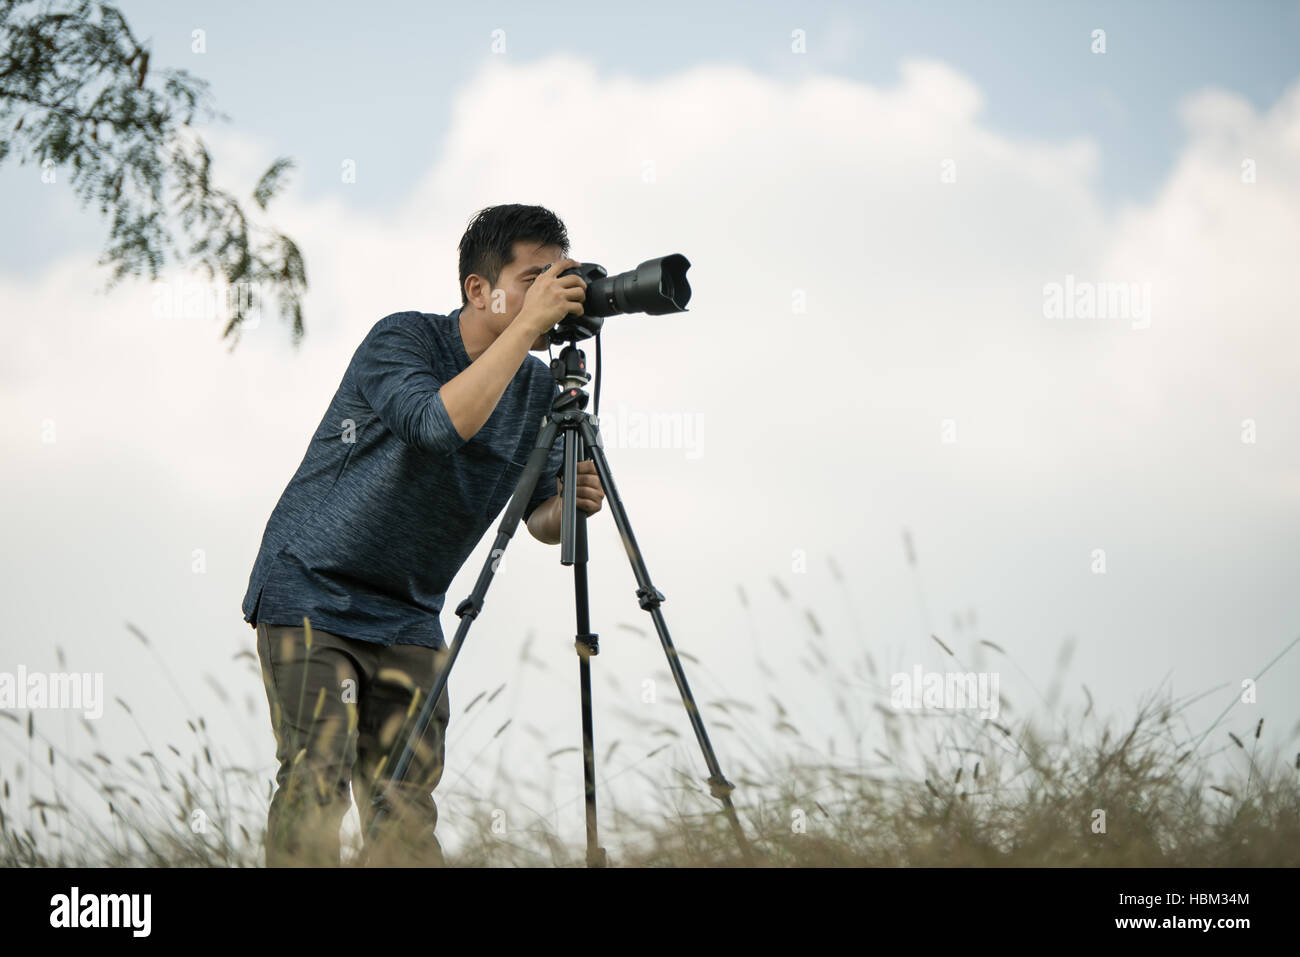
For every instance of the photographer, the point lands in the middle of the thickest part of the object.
(418, 452)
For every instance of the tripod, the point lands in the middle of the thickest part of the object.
(581, 440)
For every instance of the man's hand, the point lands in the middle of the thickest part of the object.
(544, 523)
(550, 299)
(589, 491)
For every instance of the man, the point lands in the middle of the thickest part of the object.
(417, 454)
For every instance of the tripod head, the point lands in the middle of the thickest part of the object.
(570, 372)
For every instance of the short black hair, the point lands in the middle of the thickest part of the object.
(488, 244)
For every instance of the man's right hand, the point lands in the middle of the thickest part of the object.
(549, 299)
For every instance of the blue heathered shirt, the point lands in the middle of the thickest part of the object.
(389, 500)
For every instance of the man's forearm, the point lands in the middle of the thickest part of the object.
(544, 523)
(471, 396)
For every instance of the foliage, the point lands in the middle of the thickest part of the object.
(76, 91)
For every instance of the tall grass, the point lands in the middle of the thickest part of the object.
(1009, 792)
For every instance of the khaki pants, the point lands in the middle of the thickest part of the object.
(342, 710)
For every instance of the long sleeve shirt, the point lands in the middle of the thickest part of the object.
(389, 500)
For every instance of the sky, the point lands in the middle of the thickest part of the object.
(881, 229)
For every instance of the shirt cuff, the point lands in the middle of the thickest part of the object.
(442, 436)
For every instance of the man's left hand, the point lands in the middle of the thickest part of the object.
(589, 491)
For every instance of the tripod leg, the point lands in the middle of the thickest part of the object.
(587, 644)
(649, 598)
(595, 853)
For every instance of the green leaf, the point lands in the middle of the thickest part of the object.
(271, 180)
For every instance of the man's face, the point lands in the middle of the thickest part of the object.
(515, 281)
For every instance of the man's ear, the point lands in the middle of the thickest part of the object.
(473, 294)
